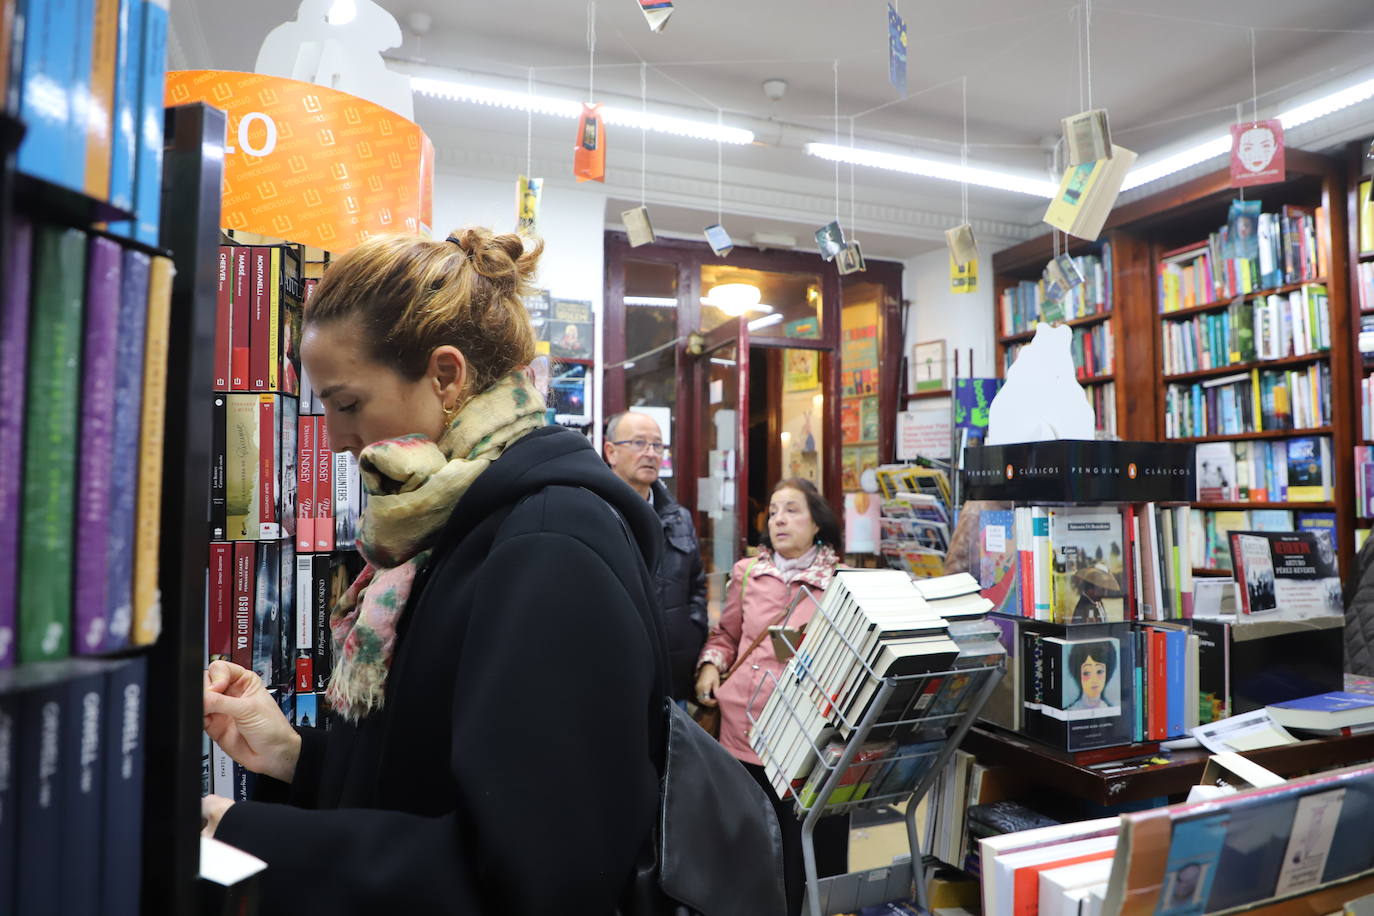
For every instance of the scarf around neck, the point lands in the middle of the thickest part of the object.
(413, 484)
(813, 568)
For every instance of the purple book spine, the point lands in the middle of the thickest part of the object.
(98, 353)
(133, 323)
(14, 339)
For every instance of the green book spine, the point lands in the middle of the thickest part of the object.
(48, 510)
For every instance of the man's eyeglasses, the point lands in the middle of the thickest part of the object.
(641, 445)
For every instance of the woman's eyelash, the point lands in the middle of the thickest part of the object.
(348, 408)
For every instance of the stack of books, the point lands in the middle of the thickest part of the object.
(1023, 305)
(915, 519)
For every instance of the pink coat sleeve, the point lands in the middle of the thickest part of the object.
(722, 646)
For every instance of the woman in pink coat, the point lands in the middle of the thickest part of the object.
(800, 549)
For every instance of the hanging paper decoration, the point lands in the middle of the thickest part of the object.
(719, 240)
(527, 194)
(1061, 274)
(830, 240)
(850, 260)
(963, 279)
(656, 12)
(1257, 153)
(961, 244)
(589, 157)
(638, 227)
(896, 49)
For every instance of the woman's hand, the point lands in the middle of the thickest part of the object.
(212, 808)
(708, 679)
(243, 719)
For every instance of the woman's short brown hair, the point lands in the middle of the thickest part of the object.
(828, 529)
(411, 295)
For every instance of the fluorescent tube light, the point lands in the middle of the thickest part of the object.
(765, 321)
(651, 302)
(933, 168)
(1328, 104)
(570, 109)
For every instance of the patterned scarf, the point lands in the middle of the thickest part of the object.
(412, 486)
(820, 563)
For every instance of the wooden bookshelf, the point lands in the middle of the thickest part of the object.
(1098, 379)
(1140, 232)
(1239, 368)
(1291, 505)
(1223, 304)
(928, 395)
(1086, 320)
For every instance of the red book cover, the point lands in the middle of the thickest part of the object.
(240, 311)
(268, 443)
(305, 485)
(224, 298)
(260, 341)
(1026, 880)
(1159, 686)
(305, 674)
(244, 594)
(324, 489)
(221, 637)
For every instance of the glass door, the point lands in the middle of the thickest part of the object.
(722, 382)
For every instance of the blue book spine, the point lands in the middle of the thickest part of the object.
(79, 93)
(1176, 656)
(9, 824)
(83, 790)
(124, 151)
(38, 863)
(122, 862)
(1140, 657)
(153, 67)
(45, 96)
(133, 320)
(98, 360)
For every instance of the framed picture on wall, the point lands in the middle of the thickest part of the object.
(929, 370)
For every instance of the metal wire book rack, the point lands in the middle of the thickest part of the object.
(848, 892)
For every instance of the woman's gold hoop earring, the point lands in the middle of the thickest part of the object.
(450, 413)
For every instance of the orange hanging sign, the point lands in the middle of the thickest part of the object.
(589, 156)
(309, 164)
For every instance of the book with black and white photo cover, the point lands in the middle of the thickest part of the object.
(1294, 573)
(1089, 563)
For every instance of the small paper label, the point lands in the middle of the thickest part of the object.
(1310, 842)
(995, 538)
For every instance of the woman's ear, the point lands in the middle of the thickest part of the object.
(448, 369)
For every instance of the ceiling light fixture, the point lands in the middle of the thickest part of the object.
(734, 299)
(933, 168)
(766, 321)
(570, 109)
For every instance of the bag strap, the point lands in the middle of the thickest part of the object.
(758, 639)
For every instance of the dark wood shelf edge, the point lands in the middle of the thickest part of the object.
(1219, 304)
(1267, 434)
(923, 395)
(1239, 368)
(1205, 573)
(1024, 336)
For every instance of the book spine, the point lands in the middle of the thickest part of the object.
(242, 652)
(259, 318)
(1159, 686)
(147, 602)
(124, 119)
(240, 318)
(51, 423)
(100, 101)
(324, 489)
(125, 732)
(148, 166)
(46, 63)
(269, 442)
(133, 328)
(284, 662)
(96, 465)
(83, 732)
(220, 638)
(305, 624)
(14, 335)
(224, 303)
(345, 501)
(78, 88)
(267, 611)
(320, 638)
(305, 485)
(38, 863)
(1176, 647)
(274, 319)
(219, 432)
(9, 771)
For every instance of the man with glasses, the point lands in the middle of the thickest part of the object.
(634, 450)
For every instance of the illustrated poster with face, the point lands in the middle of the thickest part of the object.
(1257, 153)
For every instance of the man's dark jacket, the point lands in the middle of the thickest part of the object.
(513, 767)
(681, 592)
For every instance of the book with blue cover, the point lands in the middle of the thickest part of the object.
(1194, 851)
(1334, 710)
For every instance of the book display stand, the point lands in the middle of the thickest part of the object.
(924, 740)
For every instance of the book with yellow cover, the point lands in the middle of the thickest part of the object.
(147, 599)
(1087, 193)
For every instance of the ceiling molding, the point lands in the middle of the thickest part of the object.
(739, 199)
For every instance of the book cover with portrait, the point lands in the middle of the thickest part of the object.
(1075, 696)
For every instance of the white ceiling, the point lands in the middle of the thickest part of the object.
(1166, 70)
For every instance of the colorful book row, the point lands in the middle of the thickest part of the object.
(89, 78)
(258, 311)
(1257, 401)
(1269, 327)
(1211, 530)
(1279, 471)
(82, 400)
(1024, 304)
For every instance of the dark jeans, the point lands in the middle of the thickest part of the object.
(831, 841)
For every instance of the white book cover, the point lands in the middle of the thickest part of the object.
(991, 849)
(1006, 866)
(1061, 889)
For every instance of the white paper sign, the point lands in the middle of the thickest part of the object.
(1247, 732)
(995, 538)
(1310, 842)
(923, 433)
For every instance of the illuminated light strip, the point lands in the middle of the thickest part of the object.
(651, 302)
(567, 108)
(933, 168)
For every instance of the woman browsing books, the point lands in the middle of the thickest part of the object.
(801, 547)
(457, 778)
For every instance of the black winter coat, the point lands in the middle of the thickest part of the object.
(681, 592)
(513, 768)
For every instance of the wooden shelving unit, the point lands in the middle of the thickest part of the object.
(1222, 304)
(928, 395)
(1238, 368)
(1267, 434)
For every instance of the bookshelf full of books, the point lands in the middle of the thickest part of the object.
(1025, 298)
(1361, 253)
